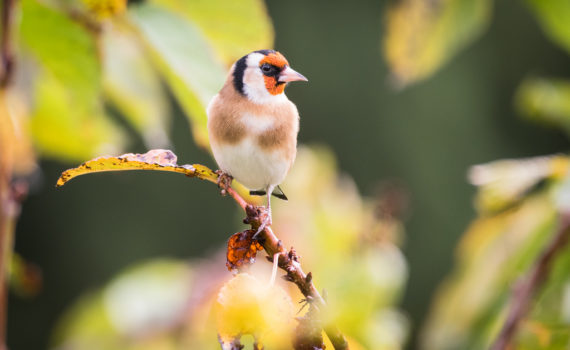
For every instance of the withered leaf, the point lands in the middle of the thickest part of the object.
(157, 159)
(242, 249)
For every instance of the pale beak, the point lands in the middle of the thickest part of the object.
(288, 74)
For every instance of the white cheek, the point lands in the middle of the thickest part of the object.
(254, 84)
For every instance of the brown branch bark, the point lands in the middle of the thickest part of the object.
(5, 223)
(527, 288)
(9, 198)
(288, 261)
(308, 334)
(6, 49)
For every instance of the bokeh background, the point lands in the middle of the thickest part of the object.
(424, 137)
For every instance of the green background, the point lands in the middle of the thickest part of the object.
(426, 135)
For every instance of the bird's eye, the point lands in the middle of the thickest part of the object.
(266, 68)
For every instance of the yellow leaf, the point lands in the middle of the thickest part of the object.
(504, 182)
(106, 8)
(160, 160)
(245, 305)
(233, 28)
(422, 35)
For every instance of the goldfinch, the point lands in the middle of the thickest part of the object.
(253, 126)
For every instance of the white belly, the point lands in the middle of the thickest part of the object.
(250, 165)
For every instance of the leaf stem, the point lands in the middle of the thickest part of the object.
(527, 288)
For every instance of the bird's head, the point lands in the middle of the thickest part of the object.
(262, 75)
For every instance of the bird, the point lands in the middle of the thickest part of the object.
(253, 126)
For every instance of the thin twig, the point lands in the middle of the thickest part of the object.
(288, 261)
(5, 223)
(523, 292)
(308, 334)
(9, 199)
(6, 49)
(234, 344)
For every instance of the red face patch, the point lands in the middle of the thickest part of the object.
(276, 59)
(271, 84)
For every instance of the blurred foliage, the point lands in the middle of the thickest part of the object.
(98, 52)
(545, 101)
(62, 80)
(519, 202)
(423, 35)
(358, 261)
(505, 183)
(553, 18)
(247, 305)
(25, 278)
(78, 58)
(498, 248)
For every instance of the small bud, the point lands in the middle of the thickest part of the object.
(287, 278)
(309, 278)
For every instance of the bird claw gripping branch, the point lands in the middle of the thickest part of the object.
(224, 181)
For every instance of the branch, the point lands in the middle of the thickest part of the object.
(10, 194)
(309, 334)
(288, 261)
(6, 226)
(526, 289)
(164, 160)
(6, 48)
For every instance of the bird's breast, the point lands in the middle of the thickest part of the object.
(268, 132)
(256, 144)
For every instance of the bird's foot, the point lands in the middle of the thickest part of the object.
(224, 181)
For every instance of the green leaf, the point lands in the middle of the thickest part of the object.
(63, 47)
(184, 58)
(62, 128)
(68, 119)
(133, 86)
(546, 101)
(233, 28)
(554, 18)
(423, 35)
